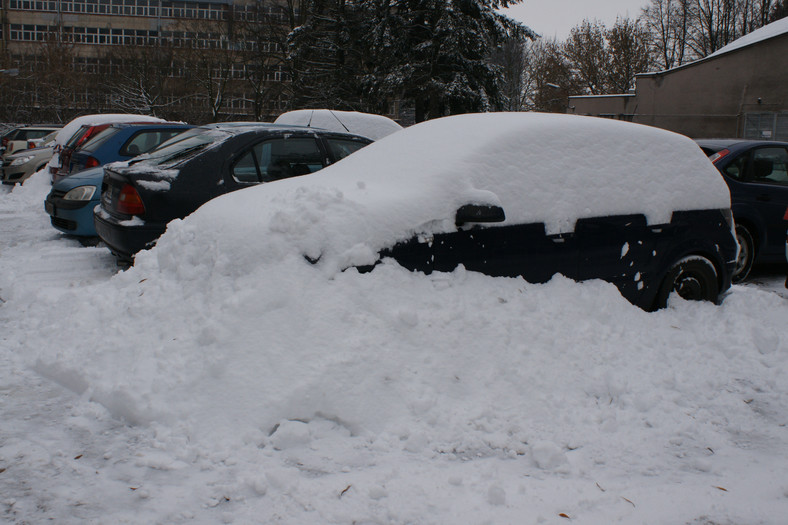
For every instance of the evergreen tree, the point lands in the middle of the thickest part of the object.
(431, 54)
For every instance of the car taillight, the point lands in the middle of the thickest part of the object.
(129, 201)
(719, 155)
(31, 144)
(5, 141)
(785, 217)
(92, 162)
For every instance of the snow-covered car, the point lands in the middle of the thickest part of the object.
(19, 166)
(756, 172)
(506, 194)
(367, 125)
(140, 197)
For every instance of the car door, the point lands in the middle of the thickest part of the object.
(513, 250)
(618, 249)
(768, 178)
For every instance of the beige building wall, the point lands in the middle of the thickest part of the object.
(705, 99)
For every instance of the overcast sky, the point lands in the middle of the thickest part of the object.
(554, 18)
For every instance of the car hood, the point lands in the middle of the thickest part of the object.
(27, 152)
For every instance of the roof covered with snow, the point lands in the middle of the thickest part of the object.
(777, 28)
(368, 125)
(69, 129)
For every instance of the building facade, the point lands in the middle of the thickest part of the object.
(93, 38)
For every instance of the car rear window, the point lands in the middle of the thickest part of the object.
(146, 140)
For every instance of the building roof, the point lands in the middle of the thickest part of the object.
(768, 31)
(775, 29)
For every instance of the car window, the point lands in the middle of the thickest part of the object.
(245, 170)
(29, 134)
(736, 169)
(279, 158)
(770, 165)
(145, 141)
(341, 148)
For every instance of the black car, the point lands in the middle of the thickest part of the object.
(757, 174)
(140, 197)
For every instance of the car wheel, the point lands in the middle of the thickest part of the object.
(746, 254)
(693, 278)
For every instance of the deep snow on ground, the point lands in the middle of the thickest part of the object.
(181, 393)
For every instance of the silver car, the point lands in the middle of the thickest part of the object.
(18, 167)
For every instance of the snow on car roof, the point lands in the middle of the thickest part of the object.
(539, 167)
(368, 125)
(69, 129)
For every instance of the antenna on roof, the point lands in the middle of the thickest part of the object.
(309, 124)
(343, 125)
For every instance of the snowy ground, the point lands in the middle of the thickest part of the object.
(387, 397)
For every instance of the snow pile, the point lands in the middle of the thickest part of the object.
(225, 379)
(776, 28)
(367, 125)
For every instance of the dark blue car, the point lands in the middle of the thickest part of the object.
(72, 199)
(757, 175)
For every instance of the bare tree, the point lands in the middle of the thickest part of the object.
(263, 54)
(548, 78)
(628, 52)
(667, 22)
(144, 79)
(684, 30)
(588, 55)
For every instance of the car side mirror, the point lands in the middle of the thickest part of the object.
(479, 213)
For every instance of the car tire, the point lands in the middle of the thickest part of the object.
(746, 254)
(693, 278)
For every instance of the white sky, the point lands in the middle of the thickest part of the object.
(555, 18)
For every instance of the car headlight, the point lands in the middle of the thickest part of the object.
(21, 160)
(80, 193)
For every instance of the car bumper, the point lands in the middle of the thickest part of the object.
(124, 238)
(14, 176)
(72, 217)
